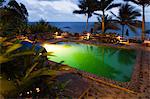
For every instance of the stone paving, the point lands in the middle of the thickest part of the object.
(76, 85)
(145, 75)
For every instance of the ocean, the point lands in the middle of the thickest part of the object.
(79, 27)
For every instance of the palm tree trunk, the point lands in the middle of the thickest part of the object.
(87, 21)
(103, 22)
(122, 30)
(143, 24)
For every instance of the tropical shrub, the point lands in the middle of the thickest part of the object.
(42, 27)
(13, 18)
(25, 73)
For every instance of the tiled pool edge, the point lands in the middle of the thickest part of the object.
(134, 84)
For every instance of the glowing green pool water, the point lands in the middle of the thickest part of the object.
(113, 63)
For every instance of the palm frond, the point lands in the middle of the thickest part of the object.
(22, 54)
(79, 12)
(98, 14)
(133, 28)
(113, 6)
(115, 15)
(38, 73)
(134, 1)
(86, 7)
(12, 48)
(30, 70)
(140, 2)
(136, 23)
(3, 59)
(109, 24)
(127, 16)
(106, 3)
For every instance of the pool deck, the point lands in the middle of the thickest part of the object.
(92, 87)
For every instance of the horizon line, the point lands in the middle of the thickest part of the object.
(66, 21)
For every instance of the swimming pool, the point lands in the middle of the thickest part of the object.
(113, 63)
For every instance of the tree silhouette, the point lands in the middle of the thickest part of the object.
(143, 3)
(87, 7)
(13, 17)
(105, 5)
(128, 16)
(109, 24)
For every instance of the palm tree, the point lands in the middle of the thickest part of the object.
(87, 7)
(109, 24)
(127, 16)
(105, 5)
(143, 3)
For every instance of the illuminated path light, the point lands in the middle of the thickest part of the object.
(88, 36)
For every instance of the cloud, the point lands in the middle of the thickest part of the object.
(52, 10)
(60, 10)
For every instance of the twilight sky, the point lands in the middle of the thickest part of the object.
(61, 10)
